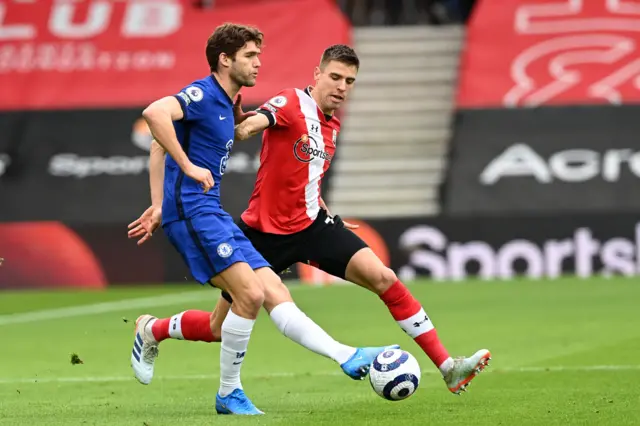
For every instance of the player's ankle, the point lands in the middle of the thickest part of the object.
(446, 366)
(148, 329)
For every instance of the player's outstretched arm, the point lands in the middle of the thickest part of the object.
(160, 116)
(251, 126)
(150, 220)
(156, 174)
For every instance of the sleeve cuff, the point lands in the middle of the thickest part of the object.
(270, 116)
(183, 104)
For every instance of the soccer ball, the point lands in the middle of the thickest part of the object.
(395, 374)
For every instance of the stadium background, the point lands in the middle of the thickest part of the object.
(490, 156)
(508, 147)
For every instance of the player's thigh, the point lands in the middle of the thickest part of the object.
(275, 291)
(244, 286)
(331, 248)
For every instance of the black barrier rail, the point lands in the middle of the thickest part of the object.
(442, 249)
(545, 160)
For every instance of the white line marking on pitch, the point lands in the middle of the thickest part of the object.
(101, 308)
(114, 306)
(274, 375)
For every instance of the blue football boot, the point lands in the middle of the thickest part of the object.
(357, 367)
(236, 403)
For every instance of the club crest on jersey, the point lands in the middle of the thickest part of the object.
(306, 149)
(195, 93)
(278, 101)
(224, 250)
(335, 136)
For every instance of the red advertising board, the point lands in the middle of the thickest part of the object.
(107, 53)
(528, 53)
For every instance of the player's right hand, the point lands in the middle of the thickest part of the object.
(201, 175)
(238, 114)
(145, 225)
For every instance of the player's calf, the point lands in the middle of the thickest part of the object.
(190, 325)
(219, 314)
(367, 270)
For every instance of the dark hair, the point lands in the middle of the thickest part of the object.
(229, 38)
(341, 53)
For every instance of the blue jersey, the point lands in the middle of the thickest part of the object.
(206, 134)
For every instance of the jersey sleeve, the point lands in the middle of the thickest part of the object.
(190, 99)
(279, 108)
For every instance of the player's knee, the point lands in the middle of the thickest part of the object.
(385, 279)
(275, 294)
(252, 297)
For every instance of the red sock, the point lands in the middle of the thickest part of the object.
(410, 315)
(188, 325)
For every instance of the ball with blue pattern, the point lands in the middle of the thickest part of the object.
(395, 374)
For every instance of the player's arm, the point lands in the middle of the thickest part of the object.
(272, 113)
(160, 116)
(156, 174)
(252, 126)
(144, 227)
(347, 225)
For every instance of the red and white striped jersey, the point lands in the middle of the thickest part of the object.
(297, 150)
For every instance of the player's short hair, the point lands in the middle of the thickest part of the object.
(229, 38)
(341, 53)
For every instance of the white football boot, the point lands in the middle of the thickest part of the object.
(466, 369)
(145, 350)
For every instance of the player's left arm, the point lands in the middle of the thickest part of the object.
(346, 224)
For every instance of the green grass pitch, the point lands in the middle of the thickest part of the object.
(564, 352)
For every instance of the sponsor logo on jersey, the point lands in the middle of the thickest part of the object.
(306, 149)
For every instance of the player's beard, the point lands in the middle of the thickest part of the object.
(242, 79)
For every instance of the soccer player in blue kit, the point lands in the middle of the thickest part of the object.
(196, 128)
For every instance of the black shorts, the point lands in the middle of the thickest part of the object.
(325, 244)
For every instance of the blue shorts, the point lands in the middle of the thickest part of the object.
(209, 243)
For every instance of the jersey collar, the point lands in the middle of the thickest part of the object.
(217, 84)
(308, 92)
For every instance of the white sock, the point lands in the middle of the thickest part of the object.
(236, 332)
(294, 324)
